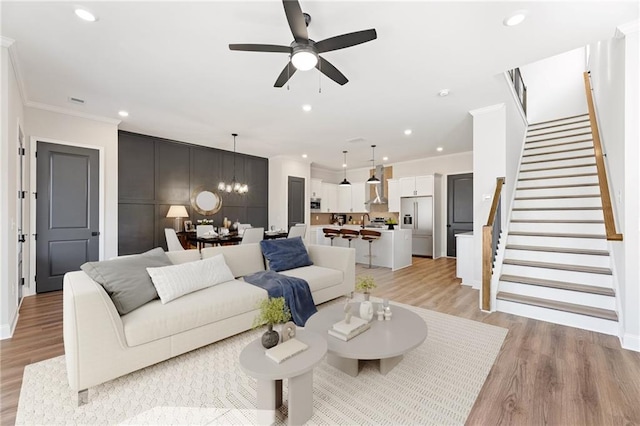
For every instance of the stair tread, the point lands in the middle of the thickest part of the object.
(559, 176)
(558, 250)
(559, 306)
(555, 221)
(573, 166)
(559, 285)
(559, 119)
(562, 266)
(558, 152)
(559, 137)
(557, 235)
(558, 197)
(575, 157)
(573, 185)
(558, 131)
(557, 144)
(558, 125)
(555, 208)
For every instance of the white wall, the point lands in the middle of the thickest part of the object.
(56, 127)
(280, 168)
(489, 158)
(614, 73)
(554, 86)
(516, 134)
(11, 115)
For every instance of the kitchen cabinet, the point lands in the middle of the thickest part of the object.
(416, 186)
(329, 195)
(393, 195)
(351, 198)
(344, 199)
(316, 188)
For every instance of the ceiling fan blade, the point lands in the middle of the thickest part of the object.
(346, 40)
(260, 48)
(296, 20)
(285, 75)
(330, 71)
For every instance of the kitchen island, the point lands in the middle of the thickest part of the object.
(392, 250)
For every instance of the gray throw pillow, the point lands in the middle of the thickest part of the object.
(125, 279)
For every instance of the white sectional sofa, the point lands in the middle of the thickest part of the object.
(100, 345)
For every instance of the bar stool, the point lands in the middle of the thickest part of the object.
(330, 233)
(349, 234)
(370, 237)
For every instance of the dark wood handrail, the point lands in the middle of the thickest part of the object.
(605, 196)
(487, 246)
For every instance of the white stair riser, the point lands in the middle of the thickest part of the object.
(577, 121)
(558, 155)
(550, 192)
(558, 317)
(560, 130)
(566, 296)
(558, 275)
(569, 228)
(554, 140)
(547, 149)
(558, 181)
(561, 163)
(557, 214)
(563, 258)
(557, 172)
(531, 136)
(582, 243)
(559, 202)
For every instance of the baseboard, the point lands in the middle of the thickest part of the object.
(6, 330)
(631, 342)
(476, 284)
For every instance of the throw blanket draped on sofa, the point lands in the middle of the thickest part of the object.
(295, 291)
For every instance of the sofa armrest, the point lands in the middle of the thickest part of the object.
(341, 258)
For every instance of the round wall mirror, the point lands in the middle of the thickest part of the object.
(206, 202)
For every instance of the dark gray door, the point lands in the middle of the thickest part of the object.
(295, 201)
(67, 212)
(459, 208)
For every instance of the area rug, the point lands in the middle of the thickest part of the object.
(437, 383)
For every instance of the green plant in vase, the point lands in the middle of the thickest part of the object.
(272, 311)
(391, 223)
(364, 284)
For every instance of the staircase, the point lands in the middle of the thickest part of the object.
(556, 264)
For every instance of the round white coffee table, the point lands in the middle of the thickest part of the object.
(269, 374)
(386, 341)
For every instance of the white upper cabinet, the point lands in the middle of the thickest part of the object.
(329, 195)
(358, 197)
(344, 198)
(393, 195)
(416, 186)
(316, 188)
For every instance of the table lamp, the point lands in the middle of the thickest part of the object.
(177, 212)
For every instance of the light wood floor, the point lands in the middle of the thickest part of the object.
(544, 374)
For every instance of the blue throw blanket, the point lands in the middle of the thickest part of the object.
(294, 290)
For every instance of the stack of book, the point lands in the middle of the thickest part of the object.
(286, 350)
(344, 331)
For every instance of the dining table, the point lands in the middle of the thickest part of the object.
(229, 239)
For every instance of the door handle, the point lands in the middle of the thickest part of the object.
(448, 226)
(95, 233)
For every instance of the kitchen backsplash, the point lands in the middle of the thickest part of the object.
(356, 218)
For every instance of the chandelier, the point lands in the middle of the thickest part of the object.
(234, 185)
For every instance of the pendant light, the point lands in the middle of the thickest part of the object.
(345, 182)
(234, 186)
(373, 180)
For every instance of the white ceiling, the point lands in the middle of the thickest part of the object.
(169, 65)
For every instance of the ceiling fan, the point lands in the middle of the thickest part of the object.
(304, 52)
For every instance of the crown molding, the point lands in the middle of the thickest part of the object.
(13, 59)
(71, 112)
(6, 41)
(627, 28)
(487, 109)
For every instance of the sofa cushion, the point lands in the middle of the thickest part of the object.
(318, 277)
(184, 256)
(174, 281)
(155, 321)
(285, 253)
(125, 279)
(242, 259)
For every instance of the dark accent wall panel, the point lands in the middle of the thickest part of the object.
(155, 173)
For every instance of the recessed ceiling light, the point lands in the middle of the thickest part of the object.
(443, 93)
(123, 113)
(344, 165)
(439, 149)
(304, 155)
(408, 132)
(85, 15)
(306, 108)
(515, 19)
(385, 158)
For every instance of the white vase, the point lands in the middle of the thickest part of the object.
(366, 310)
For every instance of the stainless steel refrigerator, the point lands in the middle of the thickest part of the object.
(416, 213)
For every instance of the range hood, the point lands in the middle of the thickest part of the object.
(379, 188)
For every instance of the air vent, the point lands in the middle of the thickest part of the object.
(76, 101)
(356, 140)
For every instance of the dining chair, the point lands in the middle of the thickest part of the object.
(297, 231)
(203, 229)
(242, 227)
(173, 243)
(252, 235)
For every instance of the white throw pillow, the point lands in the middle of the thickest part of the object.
(174, 281)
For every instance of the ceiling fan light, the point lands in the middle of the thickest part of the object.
(304, 60)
